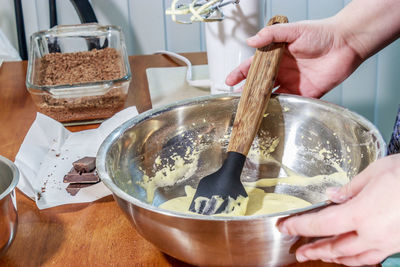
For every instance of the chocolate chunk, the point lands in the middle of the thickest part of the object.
(73, 189)
(86, 164)
(74, 177)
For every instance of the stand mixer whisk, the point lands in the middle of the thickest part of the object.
(199, 10)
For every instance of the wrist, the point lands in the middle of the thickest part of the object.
(369, 25)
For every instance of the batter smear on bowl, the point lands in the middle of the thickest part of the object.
(260, 200)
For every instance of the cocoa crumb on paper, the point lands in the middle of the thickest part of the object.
(43, 188)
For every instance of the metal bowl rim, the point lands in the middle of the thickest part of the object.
(115, 134)
(15, 179)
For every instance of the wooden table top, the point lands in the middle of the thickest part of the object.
(94, 234)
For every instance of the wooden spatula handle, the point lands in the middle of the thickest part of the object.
(256, 93)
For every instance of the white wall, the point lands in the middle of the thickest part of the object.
(373, 90)
(7, 20)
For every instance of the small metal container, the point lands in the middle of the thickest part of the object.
(78, 102)
(307, 129)
(9, 177)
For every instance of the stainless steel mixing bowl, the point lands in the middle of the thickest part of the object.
(9, 176)
(307, 129)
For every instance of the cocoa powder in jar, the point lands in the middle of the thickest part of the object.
(77, 68)
(80, 67)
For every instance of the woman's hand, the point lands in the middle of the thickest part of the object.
(364, 228)
(322, 53)
(317, 57)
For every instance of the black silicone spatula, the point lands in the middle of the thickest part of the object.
(215, 190)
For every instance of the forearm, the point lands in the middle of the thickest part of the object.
(369, 25)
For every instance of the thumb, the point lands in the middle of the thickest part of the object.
(350, 190)
(278, 33)
(346, 192)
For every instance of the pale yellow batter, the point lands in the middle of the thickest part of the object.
(182, 169)
(299, 180)
(259, 203)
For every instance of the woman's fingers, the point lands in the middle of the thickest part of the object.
(239, 74)
(348, 249)
(370, 257)
(329, 249)
(340, 195)
(275, 33)
(329, 221)
(344, 193)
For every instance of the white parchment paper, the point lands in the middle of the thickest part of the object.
(47, 153)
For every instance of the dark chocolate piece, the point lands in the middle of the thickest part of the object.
(75, 177)
(73, 189)
(86, 164)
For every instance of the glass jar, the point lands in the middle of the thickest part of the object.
(78, 74)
